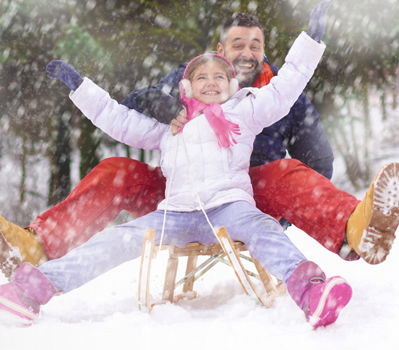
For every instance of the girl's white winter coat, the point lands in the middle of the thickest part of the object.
(218, 175)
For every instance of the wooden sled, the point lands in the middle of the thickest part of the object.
(216, 253)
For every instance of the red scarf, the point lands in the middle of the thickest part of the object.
(264, 77)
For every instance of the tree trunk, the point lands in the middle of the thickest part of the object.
(367, 135)
(23, 166)
(383, 105)
(60, 181)
(88, 142)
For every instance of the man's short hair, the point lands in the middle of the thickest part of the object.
(239, 19)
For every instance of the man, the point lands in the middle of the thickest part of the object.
(282, 187)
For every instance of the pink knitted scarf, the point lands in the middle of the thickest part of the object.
(222, 127)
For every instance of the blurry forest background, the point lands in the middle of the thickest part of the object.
(46, 145)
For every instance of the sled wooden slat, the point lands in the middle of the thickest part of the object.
(237, 265)
(145, 270)
(216, 253)
(170, 278)
(265, 276)
(191, 265)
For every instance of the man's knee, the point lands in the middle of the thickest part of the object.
(283, 166)
(274, 174)
(131, 166)
(115, 164)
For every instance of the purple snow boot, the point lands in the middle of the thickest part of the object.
(24, 295)
(321, 300)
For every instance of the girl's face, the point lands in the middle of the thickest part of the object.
(210, 83)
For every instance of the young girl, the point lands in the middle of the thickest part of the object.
(206, 165)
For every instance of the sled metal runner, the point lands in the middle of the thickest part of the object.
(217, 253)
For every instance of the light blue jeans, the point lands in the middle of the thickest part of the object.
(261, 234)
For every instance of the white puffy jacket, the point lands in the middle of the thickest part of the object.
(218, 175)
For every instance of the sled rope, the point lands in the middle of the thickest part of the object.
(195, 190)
(167, 194)
(196, 193)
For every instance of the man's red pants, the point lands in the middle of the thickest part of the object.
(284, 188)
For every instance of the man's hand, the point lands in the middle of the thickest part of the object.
(64, 72)
(156, 104)
(179, 121)
(317, 22)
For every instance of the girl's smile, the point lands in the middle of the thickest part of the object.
(210, 84)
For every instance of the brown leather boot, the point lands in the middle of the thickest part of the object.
(372, 225)
(18, 245)
(10, 258)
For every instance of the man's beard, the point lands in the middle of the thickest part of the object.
(247, 79)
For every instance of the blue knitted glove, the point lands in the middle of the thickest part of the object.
(63, 71)
(317, 23)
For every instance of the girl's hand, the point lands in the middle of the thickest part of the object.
(64, 72)
(179, 121)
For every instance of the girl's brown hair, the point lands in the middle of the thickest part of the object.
(189, 74)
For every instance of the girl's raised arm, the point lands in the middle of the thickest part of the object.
(118, 121)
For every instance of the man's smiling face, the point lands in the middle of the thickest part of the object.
(244, 48)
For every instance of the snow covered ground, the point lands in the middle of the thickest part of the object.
(104, 313)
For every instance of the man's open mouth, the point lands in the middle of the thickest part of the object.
(245, 65)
